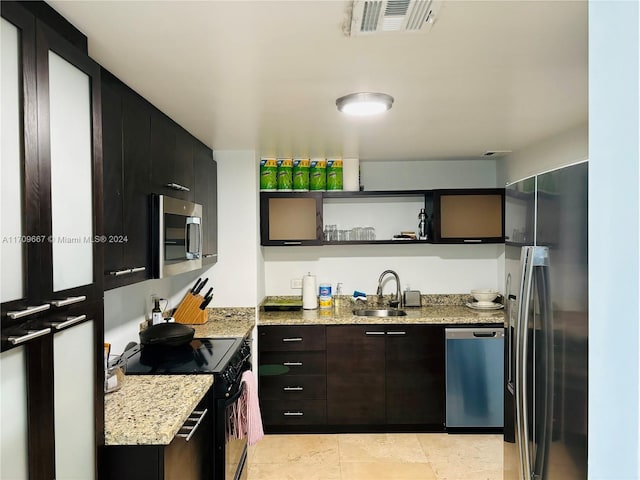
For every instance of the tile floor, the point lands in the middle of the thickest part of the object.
(424, 456)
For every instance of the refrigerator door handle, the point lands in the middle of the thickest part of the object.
(522, 420)
(546, 410)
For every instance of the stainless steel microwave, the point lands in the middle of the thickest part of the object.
(176, 236)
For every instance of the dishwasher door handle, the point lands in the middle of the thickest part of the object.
(484, 334)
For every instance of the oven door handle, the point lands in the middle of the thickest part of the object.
(233, 398)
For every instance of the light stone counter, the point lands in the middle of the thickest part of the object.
(150, 409)
(227, 322)
(436, 309)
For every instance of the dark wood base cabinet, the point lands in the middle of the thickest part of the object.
(182, 459)
(388, 376)
(292, 378)
(352, 378)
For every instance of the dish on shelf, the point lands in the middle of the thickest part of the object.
(492, 306)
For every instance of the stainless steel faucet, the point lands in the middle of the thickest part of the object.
(397, 303)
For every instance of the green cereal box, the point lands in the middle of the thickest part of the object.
(285, 174)
(334, 174)
(318, 175)
(301, 175)
(268, 175)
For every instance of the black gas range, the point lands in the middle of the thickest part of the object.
(224, 358)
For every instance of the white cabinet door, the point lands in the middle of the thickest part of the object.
(13, 415)
(70, 124)
(11, 245)
(74, 379)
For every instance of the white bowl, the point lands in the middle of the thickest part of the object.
(484, 296)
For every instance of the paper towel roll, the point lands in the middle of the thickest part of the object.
(351, 174)
(309, 292)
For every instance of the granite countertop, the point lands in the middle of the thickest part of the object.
(435, 309)
(227, 322)
(151, 409)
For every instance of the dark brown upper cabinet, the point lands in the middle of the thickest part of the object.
(172, 158)
(468, 216)
(464, 216)
(205, 185)
(126, 119)
(291, 218)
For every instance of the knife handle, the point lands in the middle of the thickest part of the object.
(201, 286)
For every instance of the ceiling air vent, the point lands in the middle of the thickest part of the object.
(375, 16)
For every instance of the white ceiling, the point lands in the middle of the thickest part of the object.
(264, 75)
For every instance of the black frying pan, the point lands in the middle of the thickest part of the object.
(167, 334)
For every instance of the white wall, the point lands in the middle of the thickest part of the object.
(239, 254)
(428, 174)
(428, 268)
(565, 148)
(126, 307)
(614, 231)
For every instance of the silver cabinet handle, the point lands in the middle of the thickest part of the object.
(292, 339)
(209, 255)
(292, 364)
(293, 389)
(397, 333)
(192, 428)
(117, 273)
(68, 301)
(374, 333)
(70, 321)
(28, 311)
(177, 186)
(472, 241)
(293, 414)
(292, 243)
(29, 336)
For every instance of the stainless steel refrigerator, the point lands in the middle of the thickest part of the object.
(546, 347)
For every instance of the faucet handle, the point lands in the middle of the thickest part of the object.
(394, 303)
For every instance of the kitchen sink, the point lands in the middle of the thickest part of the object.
(379, 312)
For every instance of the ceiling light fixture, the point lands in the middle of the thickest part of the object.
(364, 103)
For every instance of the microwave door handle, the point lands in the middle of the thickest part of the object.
(192, 222)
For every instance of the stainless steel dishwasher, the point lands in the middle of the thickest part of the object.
(475, 377)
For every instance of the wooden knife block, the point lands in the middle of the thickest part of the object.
(189, 310)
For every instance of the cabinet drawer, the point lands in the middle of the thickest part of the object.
(294, 387)
(293, 363)
(303, 412)
(285, 338)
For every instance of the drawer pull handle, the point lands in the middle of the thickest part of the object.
(68, 301)
(209, 255)
(117, 273)
(397, 333)
(292, 364)
(293, 389)
(138, 269)
(292, 243)
(374, 333)
(70, 321)
(293, 414)
(29, 336)
(472, 240)
(292, 339)
(192, 428)
(28, 311)
(177, 186)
